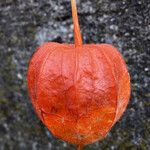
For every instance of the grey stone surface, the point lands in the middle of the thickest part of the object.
(25, 24)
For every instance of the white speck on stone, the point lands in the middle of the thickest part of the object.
(71, 26)
(112, 147)
(65, 144)
(126, 34)
(61, 7)
(105, 16)
(9, 50)
(115, 37)
(19, 76)
(49, 145)
(34, 146)
(112, 19)
(70, 35)
(114, 27)
(140, 22)
(146, 69)
(6, 126)
(133, 39)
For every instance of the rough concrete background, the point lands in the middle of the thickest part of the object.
(25, 24)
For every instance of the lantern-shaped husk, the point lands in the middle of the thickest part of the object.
(78, 91)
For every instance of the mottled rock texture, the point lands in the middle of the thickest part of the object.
(24, 25)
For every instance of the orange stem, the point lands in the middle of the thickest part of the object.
(77, 33)
(80, 147)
